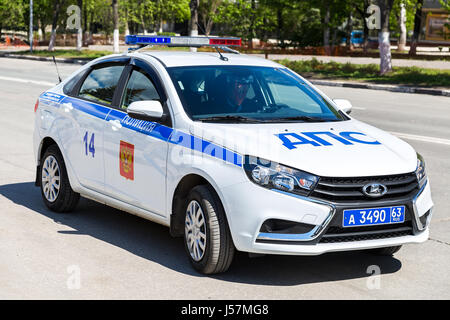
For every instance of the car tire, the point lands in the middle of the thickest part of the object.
(207, 237)
(388, 251)
(56, 191)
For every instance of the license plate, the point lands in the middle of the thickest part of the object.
(373, 216)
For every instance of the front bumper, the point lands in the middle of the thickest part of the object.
(247, 216)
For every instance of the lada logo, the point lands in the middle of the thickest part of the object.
(374, 190)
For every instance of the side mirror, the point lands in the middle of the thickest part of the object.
(343, 105)
(149, 110)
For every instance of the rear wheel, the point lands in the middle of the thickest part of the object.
(207, 236)
(55, 187)
(388, 251)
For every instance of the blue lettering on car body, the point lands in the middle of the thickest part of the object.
(317, 139)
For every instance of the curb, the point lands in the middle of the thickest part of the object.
(344, 84)
(386, 87)
(61, 60)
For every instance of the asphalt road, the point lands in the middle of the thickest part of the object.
(102, 253)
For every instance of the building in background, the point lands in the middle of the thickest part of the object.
(435, 22)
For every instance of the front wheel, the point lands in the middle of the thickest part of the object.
(207, 236)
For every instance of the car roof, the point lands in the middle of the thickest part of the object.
(182, 58)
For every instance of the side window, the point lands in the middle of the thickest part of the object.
(69, 86)
(100, 84)
(139, 87)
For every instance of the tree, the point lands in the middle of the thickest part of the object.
(326, 27)
(417, 24)
(361, 7)
(334, 14)
(402, 23)
(170, 10)
(43, 12)
(57, 6)
(384, 36)
(446, 5)
(115, 7)
(11, 14)
(402, 20)
(193, 28)
(207, 11)
(303, 25)
(239, 18)
(349, 30)
(140, 14)
(80, 29)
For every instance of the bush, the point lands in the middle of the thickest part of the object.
(167, 34)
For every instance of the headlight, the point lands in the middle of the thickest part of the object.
(420, 171)
(273, 175)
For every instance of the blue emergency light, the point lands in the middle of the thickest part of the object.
(183, 41)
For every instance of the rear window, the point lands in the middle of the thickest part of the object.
(70, 85)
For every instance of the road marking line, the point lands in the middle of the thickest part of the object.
(422, 138)
(41, 83)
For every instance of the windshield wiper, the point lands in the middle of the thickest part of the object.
(301, 118)
(228, 119)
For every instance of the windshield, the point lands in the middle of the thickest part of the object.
(251, 94)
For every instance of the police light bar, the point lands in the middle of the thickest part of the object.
(182, 41)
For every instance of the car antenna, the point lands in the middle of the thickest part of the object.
(57, 71)
(217, 49)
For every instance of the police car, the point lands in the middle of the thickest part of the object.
(230, 152)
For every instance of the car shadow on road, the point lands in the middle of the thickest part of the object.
(153, 242)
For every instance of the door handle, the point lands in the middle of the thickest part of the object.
(115, 124)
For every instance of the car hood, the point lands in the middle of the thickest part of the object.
(334, 149)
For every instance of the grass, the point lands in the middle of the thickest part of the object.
(83, 54)
(89, 54)
(408, 76)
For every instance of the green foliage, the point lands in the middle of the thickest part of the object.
(146, 15)
(410, 6)
(83, 54)
(173, 10)
(99, 14)
(306, 28)
(294, 23)
(236, 18)
(445, 4)
(167, 34)
(11, 14)
(43, 11)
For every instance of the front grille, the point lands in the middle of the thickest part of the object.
(333, 230)
(337, 233)
(347, 190)
(351, 237)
